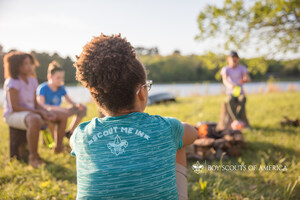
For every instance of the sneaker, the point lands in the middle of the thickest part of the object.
(68, 134)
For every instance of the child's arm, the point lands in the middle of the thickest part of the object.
(45, 113)
(227, 82)
(183, 133)
(69, 100)
(246, 78)
(189, 135)
(13, 96)
(41, 101)
(71, 144)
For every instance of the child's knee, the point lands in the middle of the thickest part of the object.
(33, 120)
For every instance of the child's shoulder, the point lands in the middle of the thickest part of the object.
(62, 89)
(43, 85)
(88, 126)
(32, 79)
(242, 66)
(224, 69)
(11, 82)
(167, 120)
(42, 88)
(83, 126)
(8, 80)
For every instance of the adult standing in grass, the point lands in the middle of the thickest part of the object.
(234, 75)
(21, 110)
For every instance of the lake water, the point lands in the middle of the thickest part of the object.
(81, 94)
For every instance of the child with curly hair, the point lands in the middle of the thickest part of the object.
(128, 154)
(21, 110)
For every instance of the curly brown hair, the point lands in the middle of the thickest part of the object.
(13, 61)
(108, 67)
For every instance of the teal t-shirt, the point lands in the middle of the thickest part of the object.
(127, 157)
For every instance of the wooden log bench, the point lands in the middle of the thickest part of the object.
(18, 144)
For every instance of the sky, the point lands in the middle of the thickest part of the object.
(65, 26)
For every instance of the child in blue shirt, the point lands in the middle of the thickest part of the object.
(50, 93)
(128, 154)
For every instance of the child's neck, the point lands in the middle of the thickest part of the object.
(52, 86)
(120, 113)
(124, 112)
(24, 77)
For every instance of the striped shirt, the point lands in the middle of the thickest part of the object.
(127, 157)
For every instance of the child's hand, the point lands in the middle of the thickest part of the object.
(43, 114)
(241, 81)
(233, 86)
(51, 115)
(79, 106)
(47, 115)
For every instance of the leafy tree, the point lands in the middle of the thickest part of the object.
(176, 52)
(272, 24)
(256, 66)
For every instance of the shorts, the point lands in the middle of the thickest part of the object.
(181, 180)
(17, 119)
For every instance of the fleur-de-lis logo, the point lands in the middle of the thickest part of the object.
(118, 146)
(197, 167)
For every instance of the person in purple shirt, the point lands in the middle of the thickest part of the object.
(21, 110)
(234, 76)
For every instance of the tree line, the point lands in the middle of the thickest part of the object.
(41, 71)
(178, 68)
(199, 68)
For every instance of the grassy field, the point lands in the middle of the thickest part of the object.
(267, 144)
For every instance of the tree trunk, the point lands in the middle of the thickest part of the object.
(226, 120)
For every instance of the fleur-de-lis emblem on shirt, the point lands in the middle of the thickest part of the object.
(118, 146)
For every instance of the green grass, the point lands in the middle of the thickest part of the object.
(267, 143)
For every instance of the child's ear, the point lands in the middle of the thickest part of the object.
(142, 94)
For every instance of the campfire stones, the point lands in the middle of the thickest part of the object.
(204, 142)
(229, 144)
(219, 143)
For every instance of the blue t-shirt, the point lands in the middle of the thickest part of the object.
(51, 98)
(127, 157)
